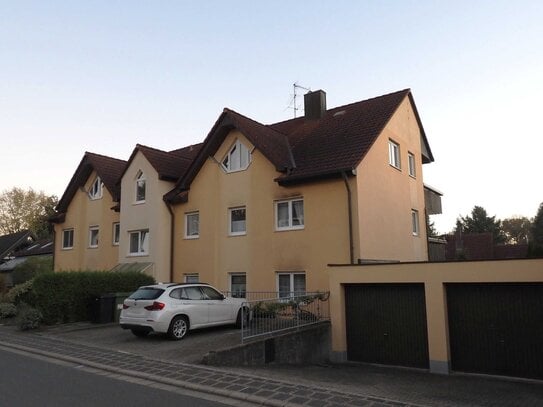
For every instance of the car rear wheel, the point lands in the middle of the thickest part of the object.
(178, 328)
(140, 333)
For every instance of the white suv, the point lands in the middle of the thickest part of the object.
(176, 308)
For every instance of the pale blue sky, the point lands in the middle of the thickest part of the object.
(103, 76)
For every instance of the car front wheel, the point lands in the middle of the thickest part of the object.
(178, 328)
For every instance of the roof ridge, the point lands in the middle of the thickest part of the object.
(151, 148)
(406, 90)
(227, 110)
(103, 156)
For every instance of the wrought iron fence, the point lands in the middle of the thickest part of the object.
(264, 317)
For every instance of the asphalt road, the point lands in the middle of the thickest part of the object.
(27, 381)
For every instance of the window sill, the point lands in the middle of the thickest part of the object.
(191, 237)
(290, 229)
(138, 202)
(92, 247)
(237, 234)
(412, 176)
(137, 255)
(68, 248)
(396, 168)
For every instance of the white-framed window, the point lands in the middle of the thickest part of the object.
(238, 284)
(394, 154)
(192, 278)
(67, 239)
(289, 214)
(138, 243)
(237, 224)
(415, 222)
(93, 236)
(116, 233)
(290, 284)
(140, 187)
(192, 225)
(238, 158)
(411, 164)
(95, 191)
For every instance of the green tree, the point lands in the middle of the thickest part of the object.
(516, 229)
(480, 222)
(536, 243)
(26, 209)
(431, 230)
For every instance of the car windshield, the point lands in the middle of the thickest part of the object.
(146, 293)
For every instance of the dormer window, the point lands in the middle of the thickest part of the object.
(238, 158)
(95, 191)
(140, 187)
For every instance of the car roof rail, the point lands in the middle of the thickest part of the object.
(180, 284)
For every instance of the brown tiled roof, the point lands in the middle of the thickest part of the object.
(304, 149)
(108, 169)
(340, 139)
(10, 242)
(169, 165)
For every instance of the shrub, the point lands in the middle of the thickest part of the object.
(7, 310)
(3, 284)
(31, 268)
(28, 317)
(66, 296)
(21, 293)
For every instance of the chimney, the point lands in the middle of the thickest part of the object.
(315, 104)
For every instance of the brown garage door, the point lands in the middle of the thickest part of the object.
(386, 324)
(496, 328)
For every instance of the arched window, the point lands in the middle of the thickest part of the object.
(238, 158)
(140, 187)
(95, 191)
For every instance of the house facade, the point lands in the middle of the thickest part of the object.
(266, 207)
(86, 226)
(145, 219)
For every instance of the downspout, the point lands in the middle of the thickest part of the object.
(54, 246)
(172, 234)
(350, 209)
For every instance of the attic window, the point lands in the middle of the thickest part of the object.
(237, 159)
(140, 187)
(95, 191)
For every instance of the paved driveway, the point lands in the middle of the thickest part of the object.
(190, 349)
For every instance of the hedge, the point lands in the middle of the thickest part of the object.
(66, 296)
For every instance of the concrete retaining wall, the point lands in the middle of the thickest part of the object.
(305, 346)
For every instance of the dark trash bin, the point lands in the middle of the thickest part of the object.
(103, 309)
(119, 300)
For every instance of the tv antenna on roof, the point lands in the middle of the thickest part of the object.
(296, 87)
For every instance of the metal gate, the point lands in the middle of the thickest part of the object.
(496, 328)
(386, 324)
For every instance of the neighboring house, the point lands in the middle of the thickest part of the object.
(86, 225)
(481, 246)
(267, 207)
(145, 219)
(14, 241)
(9, 245)
(41, 248)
